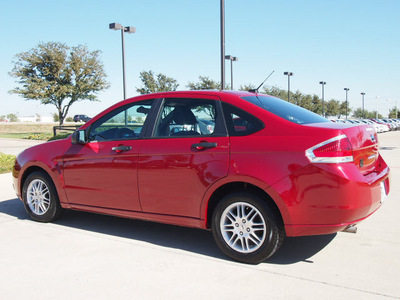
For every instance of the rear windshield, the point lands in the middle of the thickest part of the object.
(285, 110)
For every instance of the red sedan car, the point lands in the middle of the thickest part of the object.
(263, 170)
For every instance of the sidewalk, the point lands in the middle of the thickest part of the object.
(91, 256)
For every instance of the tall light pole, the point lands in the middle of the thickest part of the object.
(377, 106)
(288, 83)
(232, 59)
(388, 101)
(347, 103)
(323, 97)
(222, 44)
(128, 29)
(363, 94)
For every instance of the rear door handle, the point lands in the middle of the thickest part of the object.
(119, 149)
(203, 145)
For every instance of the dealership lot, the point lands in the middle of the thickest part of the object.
(87, 255)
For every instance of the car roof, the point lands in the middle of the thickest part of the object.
(204, 92)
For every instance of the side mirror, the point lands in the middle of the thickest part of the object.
(79, 137)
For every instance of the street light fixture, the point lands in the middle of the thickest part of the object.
(363, 94)
(288, 83)
(232, 59)
(323, 97)
(128, 29)
(347, 103)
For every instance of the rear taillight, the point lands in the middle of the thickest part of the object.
(333, 151)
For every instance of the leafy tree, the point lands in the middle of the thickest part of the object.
(160, 83)
(57, 74)
(342, 110)
(371, 115)
(204, 83)
(394, 112)
(332, 108)
(316, 105)
(3, 118)
(304, 101)
(376, 115)
(247, 87)
(56, 118)
(358, 113)
(12, 118)
(276, 92)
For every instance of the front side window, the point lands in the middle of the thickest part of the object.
(124, 123)
(186, 117)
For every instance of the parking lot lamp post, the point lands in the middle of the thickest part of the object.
(323, 97)
(377, 106)
(347, 103)
(288, 83)
(222, 44)
(232, 59)
(363, 94)
(128, 29)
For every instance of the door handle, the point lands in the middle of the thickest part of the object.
(203, 145)
(119, 149)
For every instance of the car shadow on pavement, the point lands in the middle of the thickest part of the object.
(296, 249)
(193, 240)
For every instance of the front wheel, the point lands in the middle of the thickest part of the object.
(40, 197)
(246, 229)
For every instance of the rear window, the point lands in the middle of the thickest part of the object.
(285, 110)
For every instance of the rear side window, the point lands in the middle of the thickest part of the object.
(239, 122)
(285, 110)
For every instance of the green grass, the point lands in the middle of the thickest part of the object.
(6, 163)
(60, 136)
(28, 135)
(31, 131)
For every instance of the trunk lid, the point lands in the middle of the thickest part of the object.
(364, 142)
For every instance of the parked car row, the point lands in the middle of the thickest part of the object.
(394, 124)
(380, 125)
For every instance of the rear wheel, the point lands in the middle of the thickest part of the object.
(246, 228)
(40, 197)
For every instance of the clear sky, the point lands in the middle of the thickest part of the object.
(346, 43)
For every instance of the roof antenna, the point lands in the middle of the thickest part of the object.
(256, 90)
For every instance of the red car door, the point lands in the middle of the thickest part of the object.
(184, 157)
(98, 174)
(103, 171)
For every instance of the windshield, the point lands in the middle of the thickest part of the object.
(285, 110)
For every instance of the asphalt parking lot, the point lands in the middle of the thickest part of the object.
(93, 256)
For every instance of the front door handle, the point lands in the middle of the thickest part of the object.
(203, 145)
(119, 149)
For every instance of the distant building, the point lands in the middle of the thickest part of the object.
(36, 119)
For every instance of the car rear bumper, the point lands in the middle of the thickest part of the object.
(303, 230)
(324, 199)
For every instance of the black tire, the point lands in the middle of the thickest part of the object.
(40, 197)
(250, 230)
